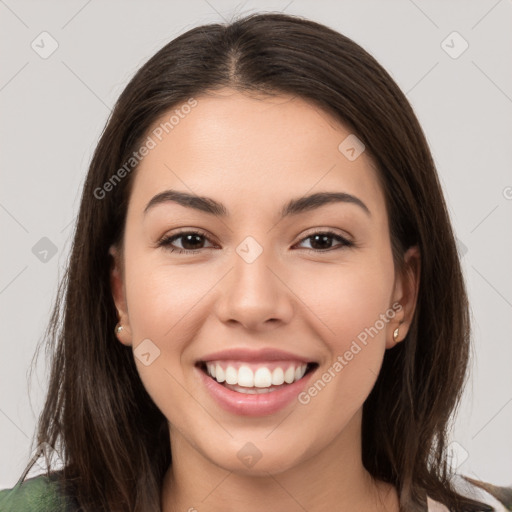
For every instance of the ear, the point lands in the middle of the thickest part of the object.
(118, 293)
(406, 294)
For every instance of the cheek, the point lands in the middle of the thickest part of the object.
(161, 296)
(350, 303)
(347, 299)
(164, 307)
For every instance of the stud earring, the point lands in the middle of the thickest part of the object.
(119, 328)
(395, 335)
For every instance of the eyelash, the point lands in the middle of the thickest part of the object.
(166, 242)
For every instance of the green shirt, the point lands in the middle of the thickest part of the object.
(37, 494)
(43, 494)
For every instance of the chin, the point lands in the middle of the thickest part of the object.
(260, 458)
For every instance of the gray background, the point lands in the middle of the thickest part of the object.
(54, 108)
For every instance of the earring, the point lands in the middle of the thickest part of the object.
(395, 335)
(119, 328)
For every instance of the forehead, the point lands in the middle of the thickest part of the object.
(252, 149)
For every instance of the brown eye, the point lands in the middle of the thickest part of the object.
(192, 242)
(322, 240)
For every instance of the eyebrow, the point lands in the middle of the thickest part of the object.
(293, 207)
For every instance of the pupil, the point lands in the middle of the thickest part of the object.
(187, 241)
(324, 238)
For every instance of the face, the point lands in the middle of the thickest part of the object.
(254, 292)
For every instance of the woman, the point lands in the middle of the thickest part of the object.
(263, 283)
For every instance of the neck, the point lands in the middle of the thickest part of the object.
(333, 479)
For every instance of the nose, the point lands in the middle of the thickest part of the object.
(255, 294)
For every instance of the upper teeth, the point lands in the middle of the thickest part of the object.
(263, 377)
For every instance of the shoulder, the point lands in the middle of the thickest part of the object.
(497, 497)
(41, 493)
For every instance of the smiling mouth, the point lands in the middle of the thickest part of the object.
(255, 378)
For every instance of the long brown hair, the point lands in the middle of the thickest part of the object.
(112, 438)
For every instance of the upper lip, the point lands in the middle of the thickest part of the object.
(243, 354)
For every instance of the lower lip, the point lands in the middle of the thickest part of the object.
(253, 404)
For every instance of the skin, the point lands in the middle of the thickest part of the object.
(254, 154)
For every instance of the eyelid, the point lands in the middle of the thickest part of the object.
(166, 239)
(326, 230)
(345, 242)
